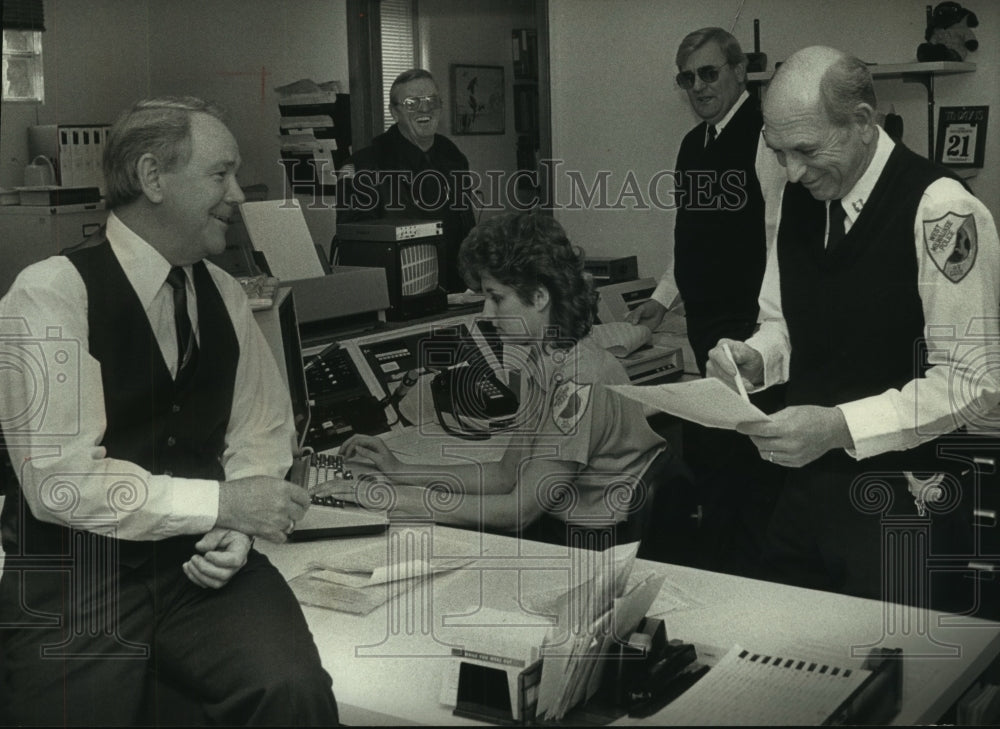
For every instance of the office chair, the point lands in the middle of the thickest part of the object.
(666, 516)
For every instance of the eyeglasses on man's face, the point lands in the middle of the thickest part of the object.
(708, 74)
(420, 103)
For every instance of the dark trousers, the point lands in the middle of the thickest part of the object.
(856, 530)
(704, 330)
(242, 655)
(738, 492)
(737, 489)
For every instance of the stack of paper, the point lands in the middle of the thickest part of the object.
(708, 402)
(360, 580)
(592, 617)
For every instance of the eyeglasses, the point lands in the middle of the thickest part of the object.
(420, 103)
(708, 74)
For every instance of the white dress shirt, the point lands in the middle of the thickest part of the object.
(54, 424)
(960, 325)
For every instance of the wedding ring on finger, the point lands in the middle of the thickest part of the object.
(770, 457)
(291, 526)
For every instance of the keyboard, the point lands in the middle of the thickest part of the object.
(335, 516)
(324, 468)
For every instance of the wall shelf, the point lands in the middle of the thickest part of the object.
(886, 70)
(921, 72)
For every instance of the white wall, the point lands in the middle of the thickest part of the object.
(102, 55)
(616, 108)
(96, 64)
(236, 52)
(476, 32)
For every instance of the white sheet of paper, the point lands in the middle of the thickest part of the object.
(278, 229)
(707, 402)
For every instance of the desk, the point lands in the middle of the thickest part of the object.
(387, 666)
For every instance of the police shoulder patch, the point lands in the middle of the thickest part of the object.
(569, 403)
(952, 243)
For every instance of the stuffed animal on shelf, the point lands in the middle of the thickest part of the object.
(949, 34)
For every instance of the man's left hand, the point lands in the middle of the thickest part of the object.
(799, 435)
(222, 553)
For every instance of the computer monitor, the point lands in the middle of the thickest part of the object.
(279, 325)
(412, 254)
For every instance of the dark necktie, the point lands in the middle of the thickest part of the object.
(182, 322)
(837, 216)
(711, 135)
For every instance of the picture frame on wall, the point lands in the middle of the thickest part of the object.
(961, 136)
(477, 99)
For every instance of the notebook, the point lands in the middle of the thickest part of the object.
(326, 518)
(755, 689)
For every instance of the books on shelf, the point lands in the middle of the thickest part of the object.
(49, 195)
(75, 150)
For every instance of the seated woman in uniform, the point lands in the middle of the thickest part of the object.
(578, 451)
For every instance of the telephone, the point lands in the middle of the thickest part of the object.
(340, 402)
(470, 401)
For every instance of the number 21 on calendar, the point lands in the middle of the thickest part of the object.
(959, 144)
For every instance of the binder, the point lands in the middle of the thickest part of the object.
(75, 150)
(758, 689)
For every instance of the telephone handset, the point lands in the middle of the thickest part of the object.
(466, 387)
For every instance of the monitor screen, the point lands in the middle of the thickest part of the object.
(418, 268)
(413, 271)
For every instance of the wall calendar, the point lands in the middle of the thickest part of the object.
(961, 136)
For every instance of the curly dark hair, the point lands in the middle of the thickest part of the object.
(528, 250)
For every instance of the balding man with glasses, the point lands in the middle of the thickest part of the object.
(719, 252)
(411, 171)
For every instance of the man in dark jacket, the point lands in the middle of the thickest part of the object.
(411, 171)
(719, 244)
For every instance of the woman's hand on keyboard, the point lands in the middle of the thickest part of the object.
(366, 453)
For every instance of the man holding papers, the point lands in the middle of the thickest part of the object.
(879, 309)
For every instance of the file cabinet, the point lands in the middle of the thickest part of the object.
(29, 233)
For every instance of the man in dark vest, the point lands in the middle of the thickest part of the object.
(719, 244)
(411, 171)
(149, 432)
(879, 309)
(719, 250)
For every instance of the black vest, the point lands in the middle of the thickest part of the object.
(719, 240)
(855, 319)
(165, 427)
